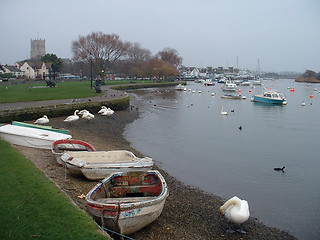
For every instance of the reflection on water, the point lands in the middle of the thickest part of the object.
(186, 133)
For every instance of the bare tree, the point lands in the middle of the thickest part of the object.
(99, 49)
(139, 54)
(171, 56)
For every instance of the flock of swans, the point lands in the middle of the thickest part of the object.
(85, 114)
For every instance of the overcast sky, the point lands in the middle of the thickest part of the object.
(283, 34)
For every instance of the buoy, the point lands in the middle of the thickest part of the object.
(292, 90)
(250, 91)
(239, 90)
(311, 96)
(270, 88)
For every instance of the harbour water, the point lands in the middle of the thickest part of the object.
(186, 134)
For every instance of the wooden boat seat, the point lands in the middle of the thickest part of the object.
(124, 199)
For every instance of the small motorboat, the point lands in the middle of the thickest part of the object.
(272, 97)
(59, 147)
(99, 164)
(180, 87)
(231, 96)
(229, 86)
(127, 202)
(30, 137)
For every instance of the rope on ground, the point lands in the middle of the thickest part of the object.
(104, 228)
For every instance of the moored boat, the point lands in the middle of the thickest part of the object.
(229, 86)
(272, 97)
(44, 127)
(230, 96)
(127, 202)
(30, 137)
(98, 164)
(180, 87)
(61, 146)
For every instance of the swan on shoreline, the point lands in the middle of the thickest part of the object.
(102, 110)
(86, 114)
(73, 117)
(235, 211)
(42, 120)
(108, 112)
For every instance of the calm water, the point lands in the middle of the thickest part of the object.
(187, 135)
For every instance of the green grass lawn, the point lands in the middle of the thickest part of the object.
(32, 207)
(64, 90)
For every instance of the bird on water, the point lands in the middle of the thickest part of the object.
(280, 169)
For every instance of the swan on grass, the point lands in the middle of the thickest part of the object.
(86, 114)
(236, 211)
(223, 112)
(42, 120)
(73, 117)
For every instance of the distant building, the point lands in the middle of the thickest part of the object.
(13, 70)
(38, 49)
(36, 70)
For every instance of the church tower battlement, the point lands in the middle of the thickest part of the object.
(38, 49)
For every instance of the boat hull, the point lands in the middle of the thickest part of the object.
(129, 214)
(260, 99)
(30, 137)
(97, 165)
(43, 127)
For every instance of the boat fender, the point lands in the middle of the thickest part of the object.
(70, 159)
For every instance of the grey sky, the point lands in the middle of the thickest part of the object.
(283, 34)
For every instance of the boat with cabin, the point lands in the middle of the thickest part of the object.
(229, 86)
(272, 97)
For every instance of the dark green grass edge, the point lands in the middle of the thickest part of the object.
(34, 207)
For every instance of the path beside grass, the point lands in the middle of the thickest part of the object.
(33, 207)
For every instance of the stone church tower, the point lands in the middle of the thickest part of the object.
(38, 49)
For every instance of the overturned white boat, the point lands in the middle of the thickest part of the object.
(99, 164)
(30, 137)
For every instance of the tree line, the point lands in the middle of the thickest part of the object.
(107, 53)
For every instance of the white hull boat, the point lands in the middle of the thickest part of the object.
(68, 145)
(229, 86)
(30, 137)
(99, 164)
(127, 202)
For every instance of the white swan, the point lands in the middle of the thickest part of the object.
(236, 211)
(103, 109)
(73, 117)
(86, 114)
(222, 112)
(108, 112)
(42, 120)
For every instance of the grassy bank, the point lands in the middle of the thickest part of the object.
(64, 90)
(33, 207)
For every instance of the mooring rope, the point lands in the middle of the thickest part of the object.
(104, 228)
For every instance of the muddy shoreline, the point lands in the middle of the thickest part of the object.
(189, 213)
